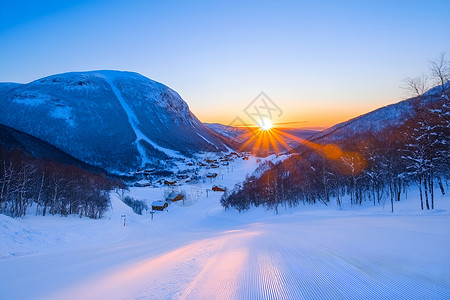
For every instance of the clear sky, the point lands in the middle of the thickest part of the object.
(322, 62)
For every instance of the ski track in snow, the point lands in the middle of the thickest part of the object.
(260, 262)
(134, 123)
(205, 139)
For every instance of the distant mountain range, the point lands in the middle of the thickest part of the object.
(115, 120)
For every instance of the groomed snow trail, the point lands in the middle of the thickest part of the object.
(134, 123)
(308, 259)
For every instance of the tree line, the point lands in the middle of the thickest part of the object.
(54, 188)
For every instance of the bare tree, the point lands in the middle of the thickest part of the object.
(416, 87)
(121, 191)
(440, 70)
(25, 178)
(7, 173)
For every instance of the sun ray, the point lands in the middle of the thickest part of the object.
(248, 142)
(273, 141)
(264, 140)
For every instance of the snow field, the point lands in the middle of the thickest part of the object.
(203, 252)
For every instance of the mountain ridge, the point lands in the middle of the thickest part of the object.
(13, 140)
(392, 115)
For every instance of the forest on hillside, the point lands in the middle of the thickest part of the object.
(374, 167)
(53, 187)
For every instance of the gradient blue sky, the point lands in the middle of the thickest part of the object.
(321, 61)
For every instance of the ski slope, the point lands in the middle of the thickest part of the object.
(199, 251)
(134, 123)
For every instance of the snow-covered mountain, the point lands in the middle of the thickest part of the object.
(230, 132)
(112, 119)
(380, 121)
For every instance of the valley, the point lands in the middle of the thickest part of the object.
(198, 250)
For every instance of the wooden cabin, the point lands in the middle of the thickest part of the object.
(159, 205)
(178, 198)
(169, 183)
(211, 175)
(218, 189)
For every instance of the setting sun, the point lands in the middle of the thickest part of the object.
(265, 124)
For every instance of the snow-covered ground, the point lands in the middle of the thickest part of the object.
(196, 250)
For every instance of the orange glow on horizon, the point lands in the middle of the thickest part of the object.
(313, 117)
(261, 142)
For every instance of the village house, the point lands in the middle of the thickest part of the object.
(218, 189)
(178, 198)
(159, 205)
